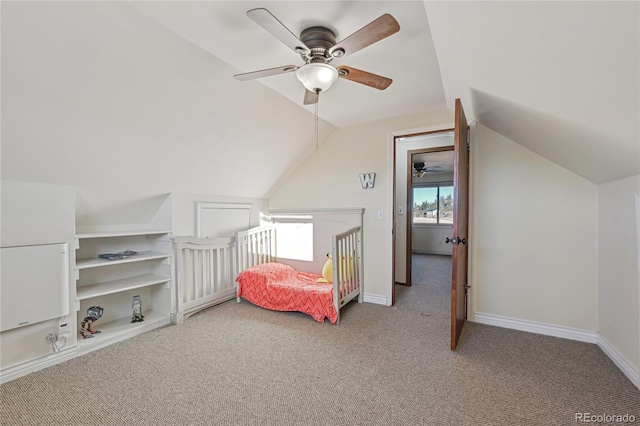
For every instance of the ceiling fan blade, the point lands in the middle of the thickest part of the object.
(266, 20)
(376, 30)
(363, 77)
(310, 97)
(265, 73)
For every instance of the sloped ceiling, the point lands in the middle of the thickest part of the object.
(560, 78)
(407, 57)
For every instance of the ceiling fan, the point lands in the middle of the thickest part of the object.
(317, 47)
(419, 169)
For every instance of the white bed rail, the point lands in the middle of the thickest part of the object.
(346, 251)
(255, 246)
(205, 275)
(258, 245)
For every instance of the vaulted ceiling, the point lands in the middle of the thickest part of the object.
(560, 78)
(99, 79)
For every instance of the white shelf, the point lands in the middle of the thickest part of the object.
(122, 233)
(120, 329)
(111, 286)
(97, 262)
(116, 286)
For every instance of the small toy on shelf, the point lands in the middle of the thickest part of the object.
(119, 255)
(137, 310)
(94, 313)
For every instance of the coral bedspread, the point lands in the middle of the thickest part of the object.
(282, 288)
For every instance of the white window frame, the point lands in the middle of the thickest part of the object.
(437, 185)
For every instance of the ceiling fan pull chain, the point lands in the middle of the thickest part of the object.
(317, 143)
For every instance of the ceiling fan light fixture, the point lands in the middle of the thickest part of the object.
(317, 77)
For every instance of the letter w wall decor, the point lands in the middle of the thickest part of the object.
(367, 180)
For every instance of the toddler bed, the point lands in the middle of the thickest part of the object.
(205, 273)
(271, 285)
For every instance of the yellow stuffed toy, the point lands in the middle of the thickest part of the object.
(327, 271)
(346, 270)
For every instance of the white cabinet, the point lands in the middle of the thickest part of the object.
(112, 284)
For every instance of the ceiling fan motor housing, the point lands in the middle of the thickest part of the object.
(319, 40)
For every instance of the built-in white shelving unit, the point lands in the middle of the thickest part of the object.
(112, 284)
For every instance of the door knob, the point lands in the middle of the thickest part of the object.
(455, 240)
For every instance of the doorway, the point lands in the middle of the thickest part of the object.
(405, 147)
(460, 201)
(429, 204)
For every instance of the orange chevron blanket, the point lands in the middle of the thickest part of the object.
(282, 288)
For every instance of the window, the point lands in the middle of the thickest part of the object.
(294, 237)
(433, 204)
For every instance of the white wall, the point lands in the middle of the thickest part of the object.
(533, 245)
(431, 239)
(618, 263)
(99, 96)
(330, 178)
(184, 209)
(402, 147)
(23, 223)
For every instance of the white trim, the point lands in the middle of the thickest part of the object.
(637, 373)
(204, 205)
(375, 298)
(627, 369)
(25, 368)
(471, 246)
(537, 327)
(438, 252)
(391, 151)
(353, 210)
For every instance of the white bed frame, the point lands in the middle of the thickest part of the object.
(258, 245)
(206, 268)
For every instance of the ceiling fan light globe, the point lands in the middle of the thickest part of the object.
(317, 77)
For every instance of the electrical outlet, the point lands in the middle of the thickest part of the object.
(64, 328)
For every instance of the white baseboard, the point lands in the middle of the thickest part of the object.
(537, 327)
(627, 369)
(20, 370)
(374, 298)
(566, 333)
(440, 252)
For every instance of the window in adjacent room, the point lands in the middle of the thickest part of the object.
(433, 204)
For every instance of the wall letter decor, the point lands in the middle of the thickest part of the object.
(367, 180)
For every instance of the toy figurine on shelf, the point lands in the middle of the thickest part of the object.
(137, 310)
(93, 314)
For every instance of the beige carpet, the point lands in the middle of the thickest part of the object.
(237, 364)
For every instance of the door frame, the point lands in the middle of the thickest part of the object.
(394, 137)
(409, 207)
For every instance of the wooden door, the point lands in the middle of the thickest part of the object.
(460, 225)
